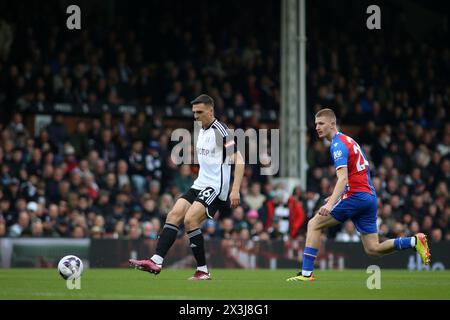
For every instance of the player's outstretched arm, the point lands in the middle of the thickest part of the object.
(342, 174)
(239, 167)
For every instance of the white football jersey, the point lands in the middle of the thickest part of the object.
(214, 147)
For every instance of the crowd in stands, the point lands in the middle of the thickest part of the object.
(113, 177)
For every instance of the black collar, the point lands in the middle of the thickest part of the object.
(211, 124)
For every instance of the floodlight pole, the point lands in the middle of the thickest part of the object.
(302, 89)
(293, 93)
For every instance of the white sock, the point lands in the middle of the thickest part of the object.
(203, 268)
(413, 242)
(306, 273)
(157, 259)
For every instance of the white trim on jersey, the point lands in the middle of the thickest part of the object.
(336, 204)
(341, 166)
(223, 131)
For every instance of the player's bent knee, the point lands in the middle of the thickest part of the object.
(175, 217)
(190, 223)
(187, 223)
(372, 252)
(313, 224)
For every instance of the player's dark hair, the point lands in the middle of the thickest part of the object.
(205, 99)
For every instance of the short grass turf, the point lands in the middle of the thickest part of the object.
(227, 284)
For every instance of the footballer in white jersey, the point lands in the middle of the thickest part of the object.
(214, 148)
(216, 152)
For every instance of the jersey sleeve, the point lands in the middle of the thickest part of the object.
(225, 140)
(339, 153)
(229, 143)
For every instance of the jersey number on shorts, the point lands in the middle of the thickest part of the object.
(206, 193)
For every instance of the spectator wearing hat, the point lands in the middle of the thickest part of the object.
(252, 219)
(32, 209)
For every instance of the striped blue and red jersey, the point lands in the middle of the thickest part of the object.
(345, 152)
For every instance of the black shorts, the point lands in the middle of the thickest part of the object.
(208, 197)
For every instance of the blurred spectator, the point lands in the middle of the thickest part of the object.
(209, 229)
(96, 232)
(80, 140)
(183, 178)
(226, 228)
(148, 231)
(436, 235)
(23, 222)
(136, 162)
(239, 220)
(2, 228)
(153, 161)
(255, 199)
(78, 232)
(348, 233)
(296, 213)
(166, 204)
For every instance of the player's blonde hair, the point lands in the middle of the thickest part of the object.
(328, 113)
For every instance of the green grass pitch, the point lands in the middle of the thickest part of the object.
(229, 284)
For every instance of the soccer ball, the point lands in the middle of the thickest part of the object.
(70, 267)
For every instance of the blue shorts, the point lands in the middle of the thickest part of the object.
(361, 208)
